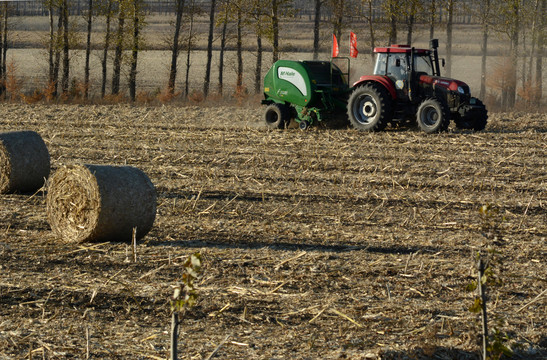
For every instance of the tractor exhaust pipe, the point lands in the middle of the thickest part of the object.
(434, 44)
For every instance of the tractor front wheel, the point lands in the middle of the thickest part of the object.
(433, 116)
(369, 108)
(277, 116)
(473, 118)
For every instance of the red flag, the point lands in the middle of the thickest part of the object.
(353, 45)
(335, 49)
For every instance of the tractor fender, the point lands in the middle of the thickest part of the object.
(382, 80)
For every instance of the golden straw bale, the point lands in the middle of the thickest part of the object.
(100, 203)
(24, 161)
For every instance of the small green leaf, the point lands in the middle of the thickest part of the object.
(191, 302)
(499, 348)
(477, 306)
(472, 286)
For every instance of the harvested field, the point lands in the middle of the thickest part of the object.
(327, 243)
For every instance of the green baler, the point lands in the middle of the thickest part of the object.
(305, 91)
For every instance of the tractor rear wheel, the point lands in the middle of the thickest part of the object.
(277, 116)
(370, 108)
(474, 118)
(433, 116)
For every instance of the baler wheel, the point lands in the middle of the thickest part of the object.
(433, 116)
(370, 108)
(277, 116)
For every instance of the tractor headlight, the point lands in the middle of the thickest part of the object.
(461, 90)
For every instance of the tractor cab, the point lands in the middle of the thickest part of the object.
(404, 66)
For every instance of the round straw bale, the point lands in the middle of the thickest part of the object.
(100, 203)
(24, 161)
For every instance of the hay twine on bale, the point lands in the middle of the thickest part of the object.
(24, 161)
(100, 203)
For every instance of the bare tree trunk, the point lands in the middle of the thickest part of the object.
(540, 50)
(512, 88)
(221, 55)
(316, 27)
(135, 51)
(432, 12)
(411, 20)
(533, 41)
(57, 62)
(175, 46)
(106, 46)
(189, 51)
(118, 51)
(66, 59)
(449, 22)
(484, 51)
(392, 7)
(523, 62)
(258, 69)
(485, 16)
(410, 28)
(1, 72)
(275, 31)
(2, 67)
(339, 18)
(51, 50)
(88, 48)
(209, 49)
(371, 29)
(5, 40)
(239, 81)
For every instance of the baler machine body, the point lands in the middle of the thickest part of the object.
(306, 90)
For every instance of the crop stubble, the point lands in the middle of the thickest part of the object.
(318, 244)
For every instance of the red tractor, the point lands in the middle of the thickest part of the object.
(407, 86)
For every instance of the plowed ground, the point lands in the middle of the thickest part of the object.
(328, 243)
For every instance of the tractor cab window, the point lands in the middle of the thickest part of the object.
(380, 67)
(422, 64)
(397, 66)
(393, 65)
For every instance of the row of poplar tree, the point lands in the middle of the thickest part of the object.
(522, 22)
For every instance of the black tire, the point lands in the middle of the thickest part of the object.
(277, 116)
(474, 118)
(370, 108)
(433, 116)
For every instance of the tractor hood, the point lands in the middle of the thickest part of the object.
(445, 83)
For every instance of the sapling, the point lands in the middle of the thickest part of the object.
(184, 297)
(489, 263)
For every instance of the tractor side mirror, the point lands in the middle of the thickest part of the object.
(443, 63)
(398, 62)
